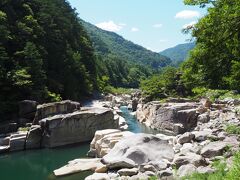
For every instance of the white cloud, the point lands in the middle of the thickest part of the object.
(134, 29)
(157, 25)
(189, 24)
(110, 26)
(187, 14)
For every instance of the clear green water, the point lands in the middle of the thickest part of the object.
(39, 164)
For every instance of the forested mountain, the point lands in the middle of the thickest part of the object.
(109, 43)
(178, 53)
(45, 53)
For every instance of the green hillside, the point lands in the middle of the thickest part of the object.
(109, 43)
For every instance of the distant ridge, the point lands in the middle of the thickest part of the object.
(178, 53)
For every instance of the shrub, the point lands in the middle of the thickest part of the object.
(214, 94)
(233, 129)
(114, 90)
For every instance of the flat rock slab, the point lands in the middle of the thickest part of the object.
(186, 138)
(51, 109)
(79, 165)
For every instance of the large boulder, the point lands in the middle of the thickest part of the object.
(76, 127)
(204, 118)
(138, 149)
(190, 147)
(174, 118)
(189, 158)
(186, 138)
(186, 170)
(214, 149)
(51, 109)
(105, 140)
(146, 112)
(202, 135)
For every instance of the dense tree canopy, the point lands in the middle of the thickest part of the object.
(44, 52)
(161, 85)
(215, 61)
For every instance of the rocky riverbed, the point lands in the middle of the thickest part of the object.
(194, 137)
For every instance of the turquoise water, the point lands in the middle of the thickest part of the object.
(134, 125)
(39, 164)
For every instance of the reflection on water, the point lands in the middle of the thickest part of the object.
(39, 164)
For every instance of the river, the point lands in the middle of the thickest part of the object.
(39, 164)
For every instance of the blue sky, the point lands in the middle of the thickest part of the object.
(154, 24)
